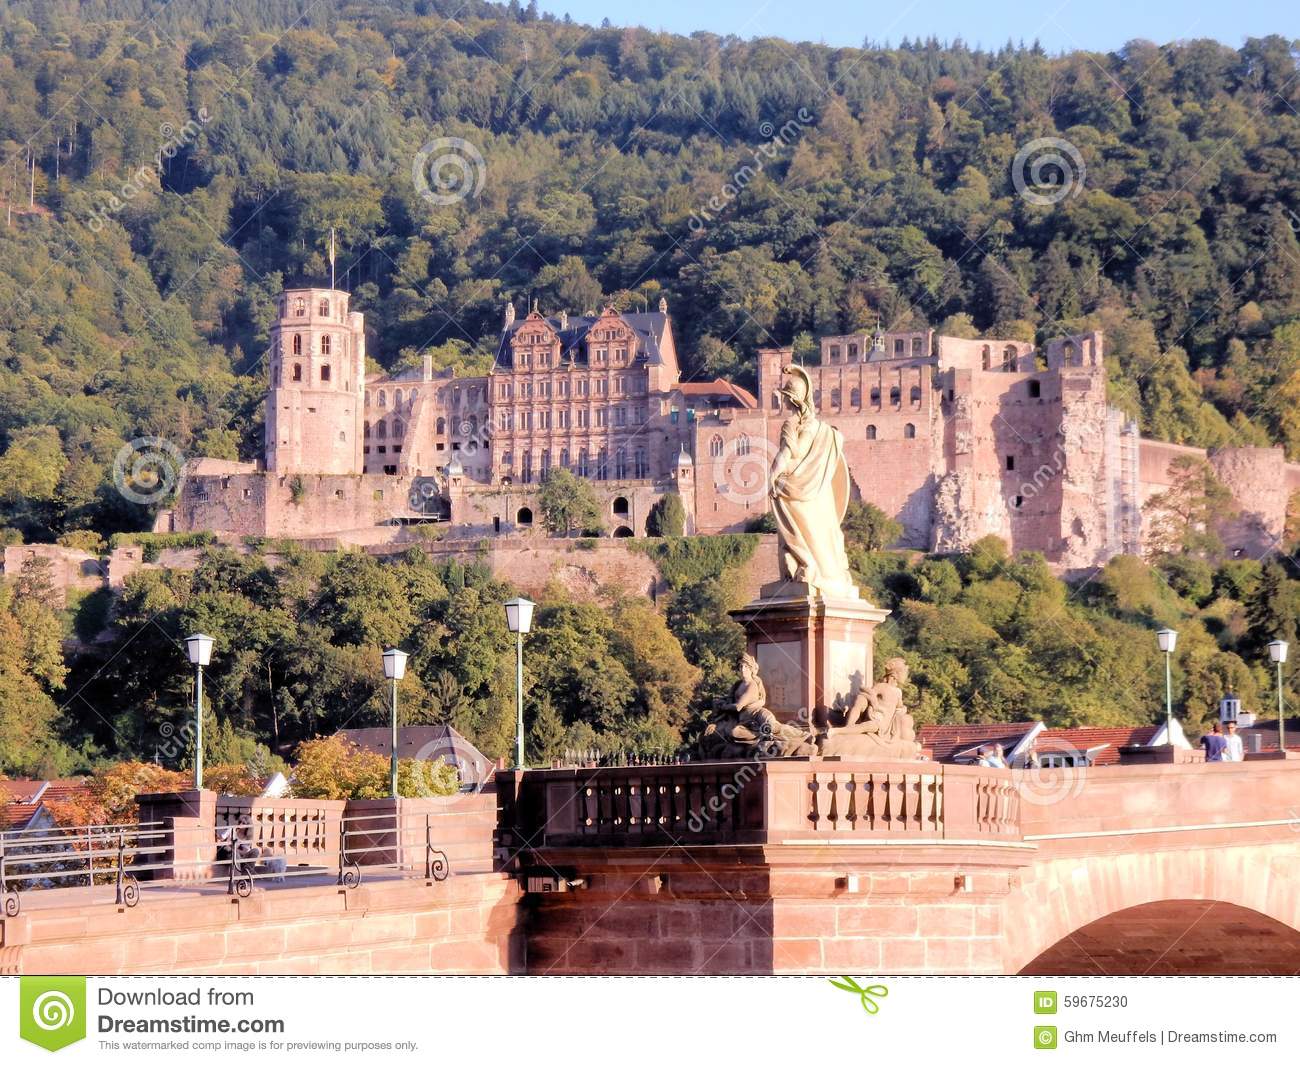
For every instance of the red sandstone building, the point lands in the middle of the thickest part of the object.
(955, 438)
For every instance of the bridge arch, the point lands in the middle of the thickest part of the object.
(1250, 881)
(1177, 937)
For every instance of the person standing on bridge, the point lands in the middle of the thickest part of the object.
(1215, 743)
(1233, 751)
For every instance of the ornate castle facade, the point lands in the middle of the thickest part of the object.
(955, 438)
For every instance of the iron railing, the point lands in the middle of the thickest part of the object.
(158, 856)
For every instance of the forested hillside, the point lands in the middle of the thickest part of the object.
(165, 168)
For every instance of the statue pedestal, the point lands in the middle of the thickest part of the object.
(812, 650)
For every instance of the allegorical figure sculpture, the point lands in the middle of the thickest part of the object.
(810, 492)
(746, 728)
(877, 725)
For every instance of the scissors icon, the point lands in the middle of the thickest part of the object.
(867, 995)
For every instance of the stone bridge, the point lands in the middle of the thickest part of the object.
(777, 867)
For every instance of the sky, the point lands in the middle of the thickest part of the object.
(1060, 25)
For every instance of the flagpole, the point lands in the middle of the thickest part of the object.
(332, 279)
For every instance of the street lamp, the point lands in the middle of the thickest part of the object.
(1277, 650)
(199, 649)
(394, 670)
(519, 619)
(1168, 640)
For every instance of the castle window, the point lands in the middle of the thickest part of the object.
(1009, 359)
(602, 417)
(397, 398)
(415, 394)
(715, 447)
(397, 427)
(853, 352)
(1035, 389)
(909, 431)
(875, 396)
(855, 397)
(620, 465)
(546, 462)
(562, 388)
(835, 397)
(325, 373)
(325, 344)
(918, 347)
(382, 431)
(564, 457)
(297, 343)
(620, 508)
(324, 308)
(602, 465)
(987, 354)
(896, 395)
(835, 353)
(441, 426)
(383, 399)
(640, 468)
(582, 418)
(742, 445)
(508, 459)
(299, 307)
(871, 432)
(297, 371)
(366, 431)
(1011, 462)
(582, 462)
(562, 419)
(1020, 502)
(900, 346)
(916, 393)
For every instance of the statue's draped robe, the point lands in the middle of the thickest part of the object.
(811, 506)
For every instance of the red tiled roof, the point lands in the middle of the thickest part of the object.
(62, 790)
(719, 387)
(20, 790)
(1110, 740)
(947, 741)
(17, 814)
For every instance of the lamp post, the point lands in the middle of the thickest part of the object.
(1277, 650)
(1168, 640)
(394, 670)
(199, 649)
(519, 618)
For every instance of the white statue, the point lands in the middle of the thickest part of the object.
(810, 492)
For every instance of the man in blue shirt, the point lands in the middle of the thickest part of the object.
(1215, 743)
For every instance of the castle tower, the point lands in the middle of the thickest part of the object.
(314, 414)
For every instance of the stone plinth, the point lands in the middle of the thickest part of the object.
(1163, 754)
(812, 650)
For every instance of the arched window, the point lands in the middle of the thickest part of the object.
(916, 393)
(895, 395)
(442, 426)
(564, 457)
(855, 397)
(397, 398)
(620, 464)
(1070, 353)
(909, 431)
(641, 467)
(524, 517)
(383, 399)
(583, 466)
(297, 371)
(325, 372)
(622, 531)
(325, 344)
(742, 445)
(367, 431)
(875, 396)
(715, 447)
(415, 394)
(398, 427)
(297, 343)
(602, 465)
(621, 508)
(382, 431)
(324, 308)
(871, 432)
(299, 307)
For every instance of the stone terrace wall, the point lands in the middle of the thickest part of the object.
(466, 924)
